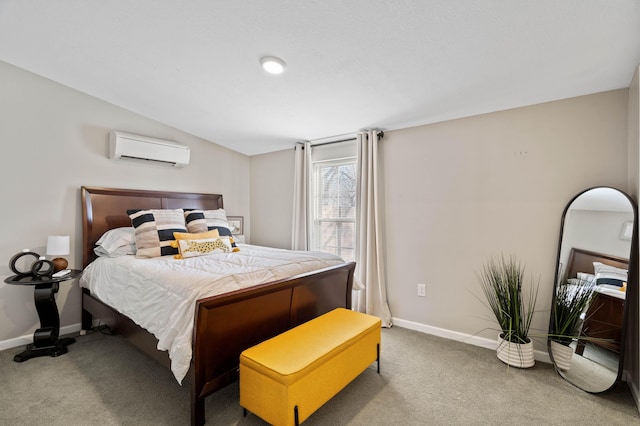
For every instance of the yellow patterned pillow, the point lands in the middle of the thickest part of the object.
(192, 245)
(191, 236)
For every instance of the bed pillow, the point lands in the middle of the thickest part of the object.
(154, 231)
(610, 275)
(585, 277)
(120, 251)
(208, 220)
(192, 245)
(191, 236)
(116, 242)
(197, 220)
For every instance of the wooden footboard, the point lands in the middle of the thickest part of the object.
(227, 324)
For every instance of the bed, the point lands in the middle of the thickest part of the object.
(604, 320)
(223, 325)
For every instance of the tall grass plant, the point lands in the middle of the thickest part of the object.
(571, 302)
(501, 280)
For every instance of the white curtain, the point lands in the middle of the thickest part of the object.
(369, 246)
(302, 178)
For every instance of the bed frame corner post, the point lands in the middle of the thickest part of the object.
(87, 320)
(350, 278)
(197, 408)
(196, 372)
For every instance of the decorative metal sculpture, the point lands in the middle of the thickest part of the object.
(40, 267)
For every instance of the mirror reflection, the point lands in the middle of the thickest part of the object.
(586, 329)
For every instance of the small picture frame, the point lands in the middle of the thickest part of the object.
(627, 230)
(237, 224)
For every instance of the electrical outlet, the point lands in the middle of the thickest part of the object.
(422, 290)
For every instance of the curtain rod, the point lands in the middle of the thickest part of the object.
(332, 142)
(380, 135)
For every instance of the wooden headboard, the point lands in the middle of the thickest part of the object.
(106, 208)
(582, 261)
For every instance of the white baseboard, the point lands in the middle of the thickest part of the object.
(461, 337)
(25, 340)
(436, 331)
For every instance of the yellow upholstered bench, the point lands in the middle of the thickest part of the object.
(285, 379)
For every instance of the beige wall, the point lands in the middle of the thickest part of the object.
(459, 191)
(54, 140)
(272, 198)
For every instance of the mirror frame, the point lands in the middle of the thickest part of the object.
(632, 282)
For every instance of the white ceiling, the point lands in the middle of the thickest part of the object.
(352, 65)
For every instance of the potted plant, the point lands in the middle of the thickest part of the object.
(501, 281)
(569, 307)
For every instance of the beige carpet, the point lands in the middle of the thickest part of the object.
(425, 380)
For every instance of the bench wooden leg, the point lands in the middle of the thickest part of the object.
(378, 356)
(295, 415)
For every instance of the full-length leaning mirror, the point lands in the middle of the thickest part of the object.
(588, 315)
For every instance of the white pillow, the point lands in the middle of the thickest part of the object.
(116, 242)
(610, 275)
(120, 251)
(610, 271)
(585, 277)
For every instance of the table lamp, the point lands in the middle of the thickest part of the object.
(58, 245)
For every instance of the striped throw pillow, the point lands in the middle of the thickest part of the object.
(610, 275)
(208, 220)
(154, 231)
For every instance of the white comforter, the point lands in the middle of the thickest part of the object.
(159, 294)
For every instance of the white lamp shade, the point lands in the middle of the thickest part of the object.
(57, 245)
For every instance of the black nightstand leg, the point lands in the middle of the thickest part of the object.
(44, 297)
(60, 348)
(45, 339)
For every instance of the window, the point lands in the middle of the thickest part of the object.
(334, 184)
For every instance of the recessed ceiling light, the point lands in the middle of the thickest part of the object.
(273, 65)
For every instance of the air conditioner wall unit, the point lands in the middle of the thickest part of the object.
(127, 146)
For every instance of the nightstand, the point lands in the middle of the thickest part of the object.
(45, 339)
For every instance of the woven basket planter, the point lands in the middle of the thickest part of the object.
(518, 355)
